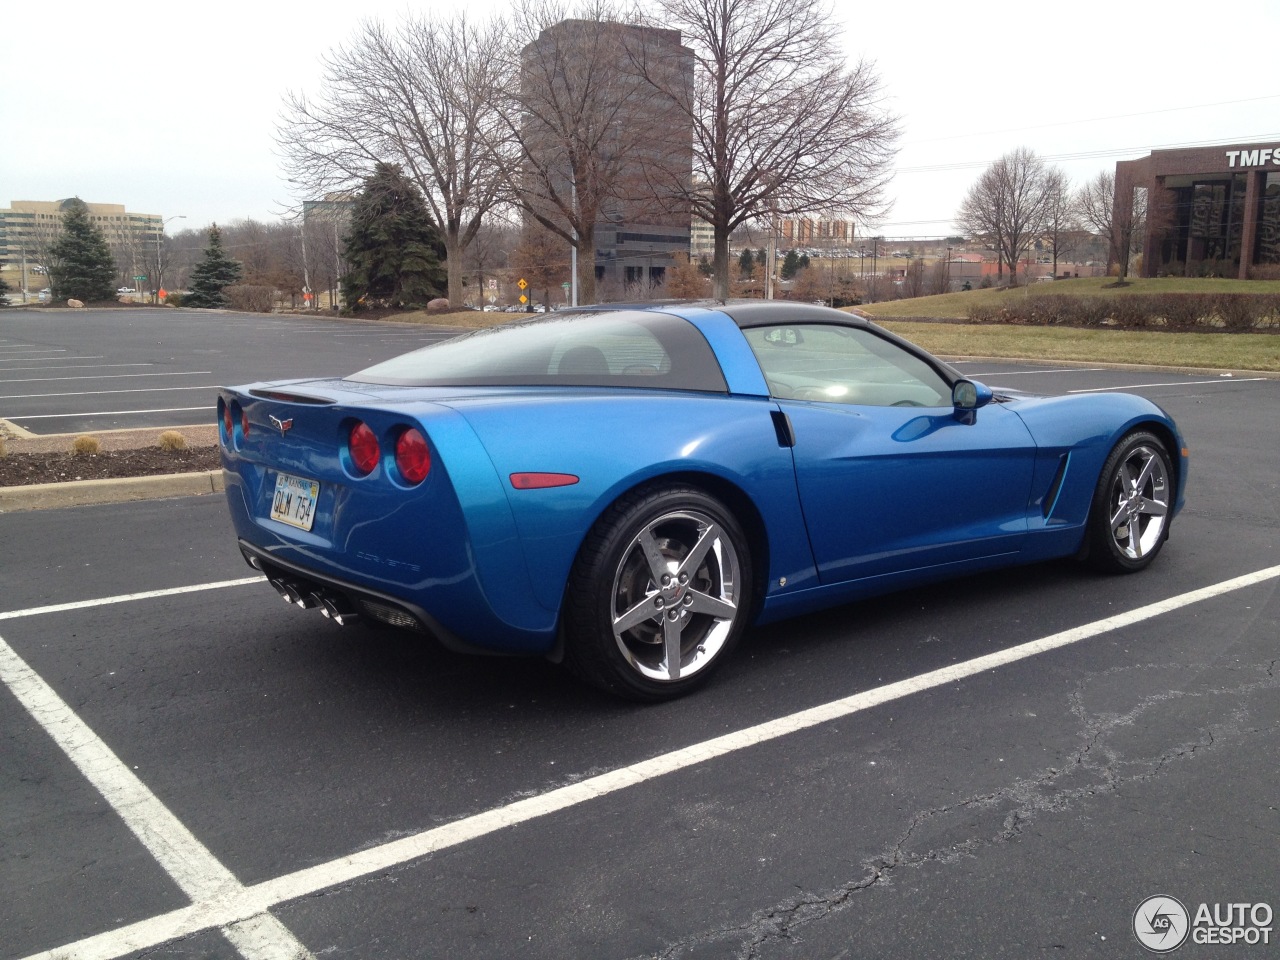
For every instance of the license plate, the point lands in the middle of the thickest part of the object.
(295, 501)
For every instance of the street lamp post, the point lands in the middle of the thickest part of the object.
(155, 286)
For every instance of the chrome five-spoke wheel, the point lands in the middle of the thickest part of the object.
(1130, 521)
(675, 595)
(659, 593)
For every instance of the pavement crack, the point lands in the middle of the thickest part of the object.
(1099, 765)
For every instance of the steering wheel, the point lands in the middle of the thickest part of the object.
(906, 403)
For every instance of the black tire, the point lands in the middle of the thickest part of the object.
(664, 569)
(1130, 515)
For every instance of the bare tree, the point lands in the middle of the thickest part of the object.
(491, 249)
(939, 279)
(1096, 204)
(424, 97)
(684, 281)
(541, 260)
(584, 121)
(1008, 205)
(913, 279)
(1061, 216)
(781, 123)
(982, 216)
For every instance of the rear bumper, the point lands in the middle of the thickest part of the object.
(314, 589)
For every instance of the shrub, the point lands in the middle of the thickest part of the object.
(1132, 312)
(1265, 271)
(250, 298)
(1181, 310)
(85, 444)
(1239, 311)
(983, 313)
(174, 299)
(172, 440)
(1092, 311)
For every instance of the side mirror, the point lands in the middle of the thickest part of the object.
(966, 397)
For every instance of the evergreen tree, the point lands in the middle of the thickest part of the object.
(81, 266)
(804, 262)
(4, 287)
(214, 273)
(790, 264)
(745, 262)
(394, 250)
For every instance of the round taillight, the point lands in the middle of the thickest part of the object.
(413, 458)
(363, 445)
(227, 422)
(244, 423)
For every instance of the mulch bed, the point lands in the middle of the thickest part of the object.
(20, 469)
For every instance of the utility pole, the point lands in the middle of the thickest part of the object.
(772, 249)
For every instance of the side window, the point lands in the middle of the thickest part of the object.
(633, 352)
(837, 364)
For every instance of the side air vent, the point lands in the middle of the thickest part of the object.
(1051, 496)
(782, 427)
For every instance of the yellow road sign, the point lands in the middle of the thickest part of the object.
(522, 283)
(523, 298)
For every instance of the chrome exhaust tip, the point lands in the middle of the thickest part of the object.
(338, 610)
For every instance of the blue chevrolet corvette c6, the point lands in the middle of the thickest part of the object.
(626, 488)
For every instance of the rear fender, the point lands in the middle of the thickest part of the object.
(728, 445)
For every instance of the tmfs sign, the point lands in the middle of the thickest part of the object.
(1253, 158)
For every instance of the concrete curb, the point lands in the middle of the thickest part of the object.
(77, 493)
(1222, 372)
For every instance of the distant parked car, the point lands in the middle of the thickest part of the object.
(124, 290)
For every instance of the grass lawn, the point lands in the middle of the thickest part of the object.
(955, 306)
(1216, 351)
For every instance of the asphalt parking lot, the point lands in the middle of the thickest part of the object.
(65, 371)
(1002, 766)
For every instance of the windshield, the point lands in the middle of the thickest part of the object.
(606, 348)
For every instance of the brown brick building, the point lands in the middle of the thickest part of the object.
(1209, 208)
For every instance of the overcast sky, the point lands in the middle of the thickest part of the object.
(171, 108)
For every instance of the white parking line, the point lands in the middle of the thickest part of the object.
(235, 904)
(1177, 383)
(1025, 373)
(98, 393)
(80, 366)
(106, 413)
(20, 359)
(111, 376)
(126, 597)
(193, 868)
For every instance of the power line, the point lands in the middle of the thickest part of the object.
(1117, 116)
(1094, 154)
